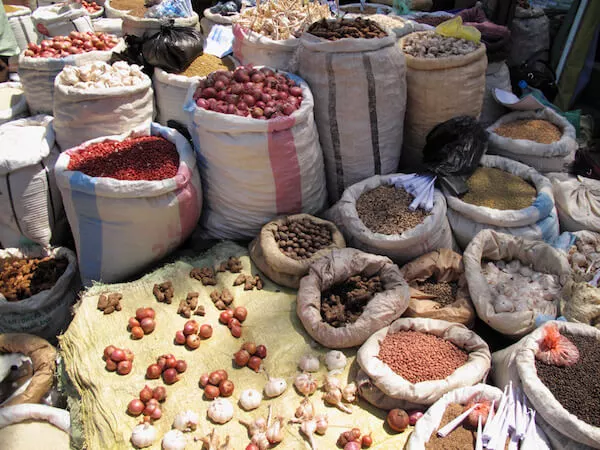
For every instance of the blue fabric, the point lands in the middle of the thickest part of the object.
(549, 227)
(563, 242)
(544, 204)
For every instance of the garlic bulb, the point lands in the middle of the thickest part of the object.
(331, 383)
(261, 441)
(258, 426)
(174, 440)
(349, 393)
(335, 360)
(186, 421)
(274, 433)
(305, 384)
(220, 410)
(322, 424)
(309, 363)
(143, 435)
(305, 410)
(250, 399)
(275, 387)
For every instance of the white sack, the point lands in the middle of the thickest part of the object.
(497, 76)
(22, 27)
(578, 203)
(16, 111)
(210, 19)
(250, 47)
(57, 20)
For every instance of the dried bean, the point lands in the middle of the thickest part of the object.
(304, 233)
(444, 291)
(206, 64)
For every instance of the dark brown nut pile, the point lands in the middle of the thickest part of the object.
(301, 239)
(444, 291)
(233, 265)
(164, 292)
(345, 302)
(187, 306)
(434, 21)
(222, 299)
(21, 278)
(358, 28)
(429, 44)
(250, 282)
(205, 275)
(110, 303)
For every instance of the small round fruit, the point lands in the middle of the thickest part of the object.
(211, 392)
(124, 367)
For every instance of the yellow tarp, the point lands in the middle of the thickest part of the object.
(271, 321)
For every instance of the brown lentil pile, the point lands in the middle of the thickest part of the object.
(385, 210)
(498, 189)
(358, 28)
(535, 130)
(343, 303)
(21, 278)
(459, 439)
(206, 64)
(301, 239)
(445, 291)
(135, 8)
(418, 356)
(577, 388)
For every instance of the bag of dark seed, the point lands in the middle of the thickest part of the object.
(565, 398)
(348, 295)
(286, 247)
(439, 288)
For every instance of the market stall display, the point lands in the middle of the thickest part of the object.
(541, 139)
(130, 199)
(33, 209)
(21, 25)
(578, 203)
(272, 167)
(12, 102)
(437, 65)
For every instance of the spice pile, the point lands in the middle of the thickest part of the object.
(343, 303)
(205, 64)
(385, 210)
(10, 97)
(429, 44)
(73, 44)
(358, 28)
(444, 291)
(418, 356)
(301, 239)
(459, 439)
(535, 130)
(11, 9)
(282, 19)
(498, 189)
(576, 387)
(148, 158)
(101, 75)
(517, 287)
(23, 277)
(135, 8)
(584, 259)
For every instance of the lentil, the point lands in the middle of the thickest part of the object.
(343, 303)
(135, 8)
(20, 278)
(358, 28)
(301, 239)
(445, 291)
(498, 189)
(429, 44)
(418, 356)
(459, 439)
(9, 97)
(385, 210)
(535, 130)
(577, 388)
(148, 158)
(205, 64)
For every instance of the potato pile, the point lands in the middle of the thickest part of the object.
(301, 239)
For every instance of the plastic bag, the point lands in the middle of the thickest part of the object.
(170, 8)
(455, 28)
(173, 48)
(556, 349)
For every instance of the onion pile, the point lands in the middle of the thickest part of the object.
(91, 7)
(249, 92)
(73, 44)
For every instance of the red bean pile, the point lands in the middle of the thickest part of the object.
(417, 356)
(248, 92)
(74, 44)
(148, 158)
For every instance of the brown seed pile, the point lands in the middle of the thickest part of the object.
(205, 275)
(444, 291)
(417, 356)
(343, 303)
(164, 292)
(20, 278)
(459, 439)
(535, 130)
(434, 21)
(498, 189)
(233, 265)
(222, 299)
(250, 282)
(135, 8)
(110, 303)
(577, 388)
(358, 28)
(301, 239)
(385, 210)
(206, 64)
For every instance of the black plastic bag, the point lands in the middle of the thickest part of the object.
(133, 54)
(172, 49)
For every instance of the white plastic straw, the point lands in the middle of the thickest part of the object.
(479, 441)
(447, 429)
(488, 422)
(498, 418)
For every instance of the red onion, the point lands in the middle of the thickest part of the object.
(159, 394)
(261, 351)
(170, 376)
(179, 337)
(124, 367)
(148, 325)
(414, 416)
(135, 407)
(190, 327)
(146, 394)
(352, 445)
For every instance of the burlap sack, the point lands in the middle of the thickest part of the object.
(404, 394)
(271, 321)
(581, 303)
(441, 265)
(517, 364)
(437, 90)
(494, 246)
(336, 268)
(43, 356)
(578, 203)
(271, 261)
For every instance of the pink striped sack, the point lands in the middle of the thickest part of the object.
(255, 170)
